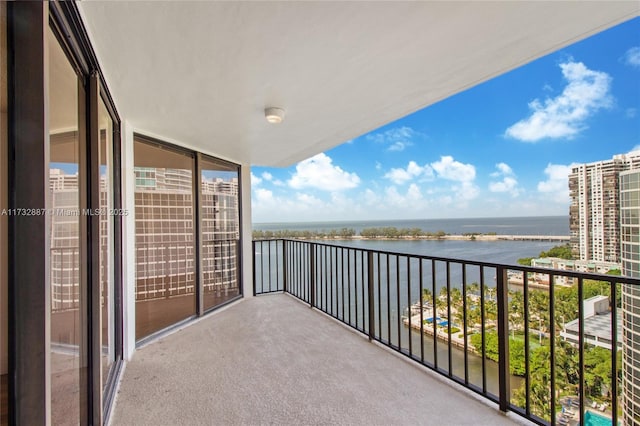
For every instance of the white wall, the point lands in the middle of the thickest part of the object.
(128, 242)
(247, 230)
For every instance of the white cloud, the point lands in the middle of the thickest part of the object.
(503, 170)
(466, 191)
(631, 112)
(399, 146)
(413, 170)
(255, 180)
(319, 172)
(448, 168)
(397, 139)
(634, 149)
(556, 187)
(632, 57)
(508, 183)
(414, 193)
(564, 116)
(267, 176)
(263, 195)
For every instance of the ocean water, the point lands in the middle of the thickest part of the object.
(504, 252)
(540, 225)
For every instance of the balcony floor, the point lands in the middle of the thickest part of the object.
(272, 360)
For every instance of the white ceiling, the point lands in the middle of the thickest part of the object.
(201, 73)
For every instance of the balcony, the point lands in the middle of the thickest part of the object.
(272, 360)
(312, 349)
(494, 329)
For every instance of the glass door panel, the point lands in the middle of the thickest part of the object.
(107, 217)
(165, 237)
(67, 299)
(220, 232)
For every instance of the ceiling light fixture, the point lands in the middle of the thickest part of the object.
(274, 115)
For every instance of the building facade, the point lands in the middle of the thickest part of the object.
(594, 213)
(594, 220)
(630, 256)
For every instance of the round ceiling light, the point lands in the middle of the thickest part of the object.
(274, 115)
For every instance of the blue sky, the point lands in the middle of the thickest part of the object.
(503, 148)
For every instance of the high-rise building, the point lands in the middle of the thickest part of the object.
(630, 257)
(594, 219)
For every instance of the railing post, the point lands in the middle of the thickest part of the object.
(255, 276)
(370, 295)
(312, 271)
(284, 265)
(503, 337)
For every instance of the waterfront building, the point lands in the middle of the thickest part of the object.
(630, 257)
(572, 265)
(594, 214)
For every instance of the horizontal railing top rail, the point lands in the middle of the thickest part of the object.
(501, 335)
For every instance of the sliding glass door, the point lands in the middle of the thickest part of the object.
(187, 234)
(220, 231)
(68, 297)
(165, 237)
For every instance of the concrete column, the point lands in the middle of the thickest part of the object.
(247, 231)
(128, 243)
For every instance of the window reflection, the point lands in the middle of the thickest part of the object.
(107, 289)
(220, 232)
(66, 298)
(165, 240)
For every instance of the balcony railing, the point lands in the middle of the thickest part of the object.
(493, 328)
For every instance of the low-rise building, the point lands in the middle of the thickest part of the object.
(597, 324)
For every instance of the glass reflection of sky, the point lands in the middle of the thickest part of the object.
(67, 168)
(219, 174)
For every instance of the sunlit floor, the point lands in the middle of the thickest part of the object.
(273, 360)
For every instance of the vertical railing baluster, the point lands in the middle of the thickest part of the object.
(388, 302)
(409, 306)
(255, 279)
(284, 266)
(434, 314)
(277, 266)
(527, 336)
(349, 283)
(379, 302)
(614, 353)
(398, 320)
(312, 274)
(362, 253)
(552, 342)
(421, 312)
(269, 262)
(342, 280)
(334, 280)
(370, 295)
(581, 344)
(464, 323)
(503, 338)
(449, 355)
(483, 331)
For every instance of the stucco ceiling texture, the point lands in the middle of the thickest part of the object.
(201, 73)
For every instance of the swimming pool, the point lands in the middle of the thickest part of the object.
(594, 419)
